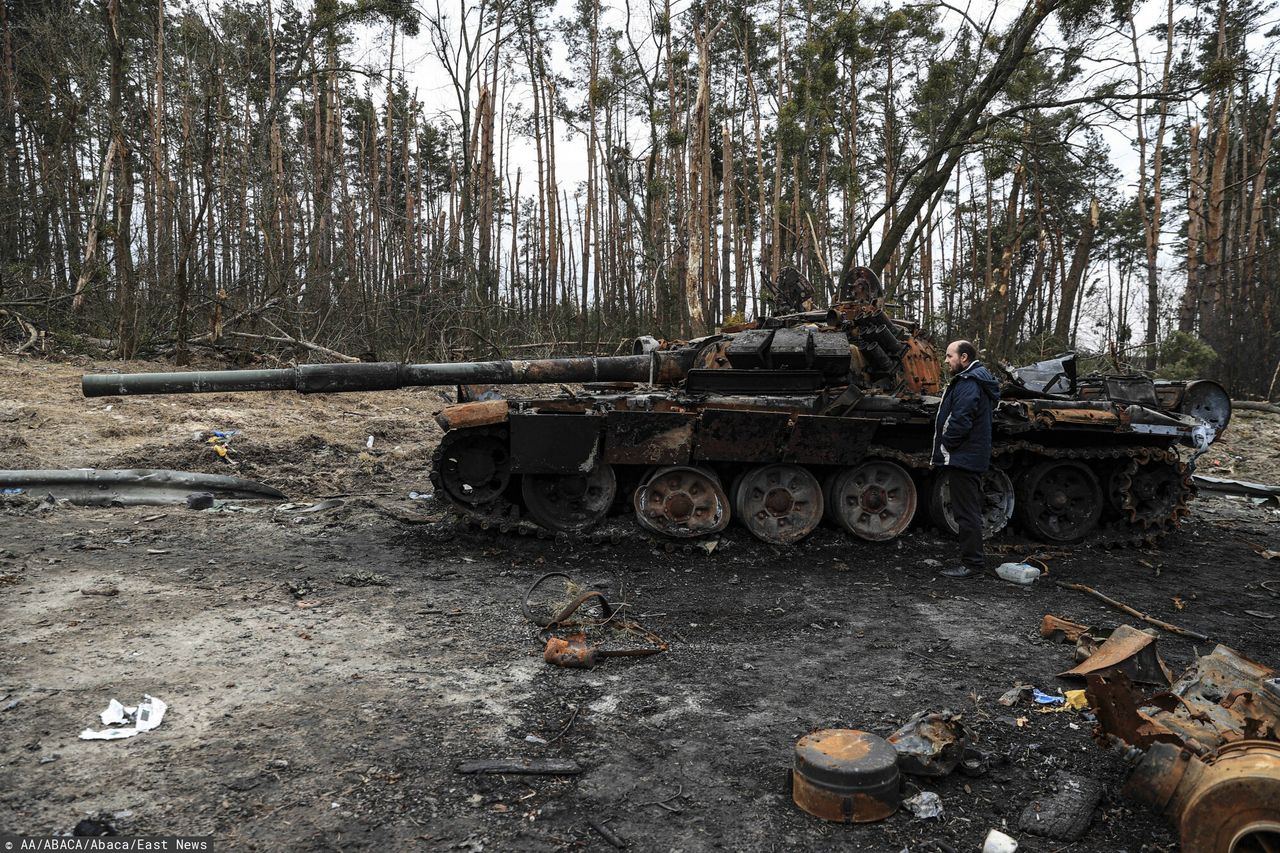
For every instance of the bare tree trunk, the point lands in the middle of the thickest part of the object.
(1079, 263)
(1188, 307)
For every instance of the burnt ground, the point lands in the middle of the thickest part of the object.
(305, 713)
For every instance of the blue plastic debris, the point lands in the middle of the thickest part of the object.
(12, 491)
(1047, 699)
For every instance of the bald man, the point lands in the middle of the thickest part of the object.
(962, 448)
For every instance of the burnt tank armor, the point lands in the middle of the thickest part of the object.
(779, 424)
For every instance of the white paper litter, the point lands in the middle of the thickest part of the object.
(144, 717)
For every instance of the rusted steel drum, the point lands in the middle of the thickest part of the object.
(845, 775)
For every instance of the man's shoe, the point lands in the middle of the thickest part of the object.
(959, 572)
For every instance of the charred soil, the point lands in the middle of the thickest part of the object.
(326, 671)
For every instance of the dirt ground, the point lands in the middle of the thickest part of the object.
(307, 713)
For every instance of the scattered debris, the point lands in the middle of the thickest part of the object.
(1260, 614)
(362, 579)
(148, 714)
(1243, 488)
(1077, 700)
(574, 652)
(220, 441)
(846, 776)
(1047, 699)
(1066, 815)
(930, 744)
(1137, 614)
(975, 763)
(332, 503)
(1014, 694)
(1128, 650)
(302, 588)
(94, 487)
(1061, 630)
(1211, 762)
(606, 833)
(521, 767)
(997, 842)
(93, 828)
(1019, 573)
(925, 805)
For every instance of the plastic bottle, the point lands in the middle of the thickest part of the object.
(1018, 572)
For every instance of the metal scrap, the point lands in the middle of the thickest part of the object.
(1061, 630)
(1130, 651)
(121, 487)
(1205, 752)
(930, 744)
(575, 651)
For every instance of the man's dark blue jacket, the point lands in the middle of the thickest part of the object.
(962, 433)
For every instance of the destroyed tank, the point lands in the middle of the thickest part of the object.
(781, 424)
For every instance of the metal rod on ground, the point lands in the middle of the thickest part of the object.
(1137, 614)
(606, 833)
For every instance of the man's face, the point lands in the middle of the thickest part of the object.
(955, 361)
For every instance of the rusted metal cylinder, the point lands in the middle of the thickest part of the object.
(1227, 803)
(845, 775)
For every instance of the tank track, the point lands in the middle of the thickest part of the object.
(1111, 532)
(1123, 528)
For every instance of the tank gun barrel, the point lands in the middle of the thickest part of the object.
(657, 367)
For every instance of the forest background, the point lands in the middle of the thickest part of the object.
(500, 178)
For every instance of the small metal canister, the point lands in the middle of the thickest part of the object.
(845, 775)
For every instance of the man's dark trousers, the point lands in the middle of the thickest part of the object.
(966, 506)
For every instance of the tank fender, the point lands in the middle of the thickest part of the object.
(481, 413)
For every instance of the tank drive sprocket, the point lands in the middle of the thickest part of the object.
(472, 470)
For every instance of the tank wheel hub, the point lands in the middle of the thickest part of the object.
(779, 503)
(682, 501)
(679, 506)
(874, 501)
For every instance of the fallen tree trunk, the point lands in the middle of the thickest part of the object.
(1255, 406)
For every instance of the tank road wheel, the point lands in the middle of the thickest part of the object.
(569, 502)
(473, 466)
(1059, 501)
(997, 502)
(874, 501)
(779, 503)
(682, 501)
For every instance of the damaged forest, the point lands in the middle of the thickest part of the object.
(517, 425)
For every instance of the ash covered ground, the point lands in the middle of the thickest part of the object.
(326, 671)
